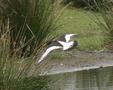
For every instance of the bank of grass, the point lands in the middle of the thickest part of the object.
(83, 23)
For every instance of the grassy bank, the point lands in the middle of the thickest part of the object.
(82, 22)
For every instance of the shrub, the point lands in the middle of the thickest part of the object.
(24, 25)
(106, 11)
(89, 4)
(31, 22)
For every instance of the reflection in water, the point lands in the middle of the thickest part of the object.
(98, 79)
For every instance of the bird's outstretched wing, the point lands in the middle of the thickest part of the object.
(66, 45)
(48, 51)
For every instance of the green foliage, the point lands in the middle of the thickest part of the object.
(106, 10)
(25, 26)
(82, 22)
(16, 73)
(87, 4)
(31, 22)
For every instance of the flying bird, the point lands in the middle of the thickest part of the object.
(63, 42)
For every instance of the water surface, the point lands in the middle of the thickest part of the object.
(97, 79)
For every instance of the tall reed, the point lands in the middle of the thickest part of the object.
(31, 22)
(25, 27)
(106, 10)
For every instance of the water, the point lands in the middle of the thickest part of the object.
(97, 79)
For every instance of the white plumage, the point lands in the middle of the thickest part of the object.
(63, 43)
(48, 51)
(66, 45)
(68, 37)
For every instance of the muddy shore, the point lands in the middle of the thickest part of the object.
(76, 61)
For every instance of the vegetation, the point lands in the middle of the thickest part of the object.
(106, 10)
(95, 28)
(31, 22)
(82, 22)
(89, 4)
(25, 27)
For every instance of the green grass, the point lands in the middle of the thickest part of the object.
(82, 22)
(85, 24)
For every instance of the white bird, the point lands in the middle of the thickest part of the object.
(63, 43)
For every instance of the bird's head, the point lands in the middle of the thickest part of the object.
(76, 44)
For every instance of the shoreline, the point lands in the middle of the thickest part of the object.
(79, 61)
